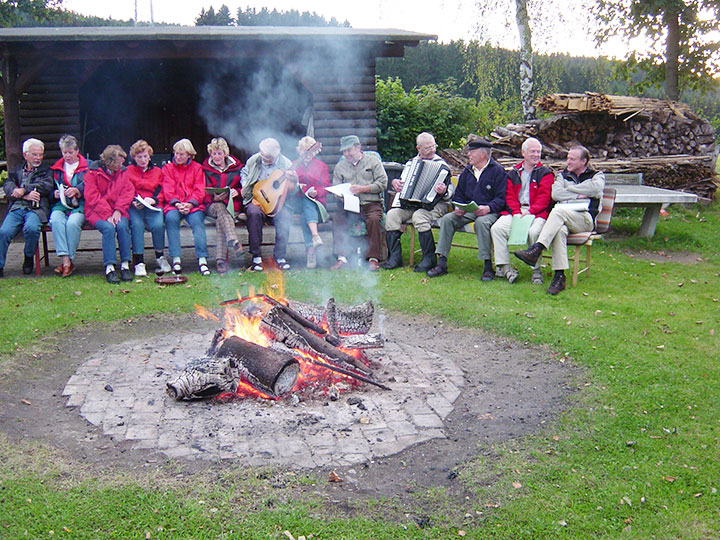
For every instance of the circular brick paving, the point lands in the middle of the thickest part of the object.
(121, 390)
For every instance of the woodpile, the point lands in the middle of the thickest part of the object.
(665, 140)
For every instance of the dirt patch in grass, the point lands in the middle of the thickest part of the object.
(511, 389)
(682, 257)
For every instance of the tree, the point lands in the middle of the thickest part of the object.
(264, 17)
(210, 18)
(683, 53)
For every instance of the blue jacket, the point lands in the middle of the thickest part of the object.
(488, 190)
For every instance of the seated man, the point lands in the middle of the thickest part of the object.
(576, 183)
(529, 192)
(369, 180)
(259, 167)
(421, 218)
(483, 181)
(27, 189)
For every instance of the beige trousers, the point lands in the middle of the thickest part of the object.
(559, 224)
(500, 233)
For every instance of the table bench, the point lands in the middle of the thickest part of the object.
(631, 192)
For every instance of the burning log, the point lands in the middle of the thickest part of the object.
(352, 320)
(295, 336)
(363, 341)
(230, 361)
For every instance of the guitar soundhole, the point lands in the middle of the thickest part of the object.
(276, 184)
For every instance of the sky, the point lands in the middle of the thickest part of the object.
(448, 19)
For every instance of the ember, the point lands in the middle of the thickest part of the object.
(270, 348)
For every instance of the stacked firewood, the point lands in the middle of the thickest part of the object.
(665, 140)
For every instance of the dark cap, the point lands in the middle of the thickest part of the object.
(479, 143)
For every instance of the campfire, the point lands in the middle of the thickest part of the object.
(271, 348)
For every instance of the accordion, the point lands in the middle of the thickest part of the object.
(419, 181)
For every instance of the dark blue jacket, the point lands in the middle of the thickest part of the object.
(488, 190)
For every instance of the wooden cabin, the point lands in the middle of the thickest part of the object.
(114, 85)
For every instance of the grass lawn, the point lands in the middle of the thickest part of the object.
(635, 455)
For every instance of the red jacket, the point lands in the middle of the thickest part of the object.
(314, 174)
(183, 183)
(105, 193)
(147, 183)
(541, 181)
(230, 177)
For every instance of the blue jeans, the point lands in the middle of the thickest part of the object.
(108, 231)
(139, 220)
(196, 220)
(16, 219)
(309, 213)
(66, 231)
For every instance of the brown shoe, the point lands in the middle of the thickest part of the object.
(530, 255)
(339, 265)
(68, 270)
(557, 285)
(59, 269)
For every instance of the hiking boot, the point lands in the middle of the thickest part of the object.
(537, 277)
(557, 285)
(530, 255)
(487, 275)
(510, 273)
(439, 270)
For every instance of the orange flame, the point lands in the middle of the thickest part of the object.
(244, 326)
(204, 313)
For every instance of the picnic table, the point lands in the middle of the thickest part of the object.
(652, 198)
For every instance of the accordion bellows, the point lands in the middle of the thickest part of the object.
(419, 181)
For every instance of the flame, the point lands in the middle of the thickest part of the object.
(244, 326)
(275, 283)
(204, 313)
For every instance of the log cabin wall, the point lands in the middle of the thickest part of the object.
(50, 108)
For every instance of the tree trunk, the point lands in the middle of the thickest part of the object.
(526, 67)
(672, 51)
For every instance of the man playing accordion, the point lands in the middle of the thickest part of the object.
(422, 215)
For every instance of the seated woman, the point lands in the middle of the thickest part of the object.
(108, 194)
(183, 192)
(67, 214)
(222, 181)
(309, 202)
(147, 179)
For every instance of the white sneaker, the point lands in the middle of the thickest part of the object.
(317, 241)
(140, 270)
(163, 266)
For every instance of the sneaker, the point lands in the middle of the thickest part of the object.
(373, 265)
(537, 277)
(163, 266)
(221, 266)
(140, 270)
(311, 258)
(112, 277)
(125, 274)
(317, 241)
(557, 285)
(510, 273)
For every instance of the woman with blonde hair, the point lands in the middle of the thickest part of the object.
(222, 184)
(183, 191)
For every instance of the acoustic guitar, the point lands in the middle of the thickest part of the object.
(269, 194)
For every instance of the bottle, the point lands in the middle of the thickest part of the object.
(35, 204)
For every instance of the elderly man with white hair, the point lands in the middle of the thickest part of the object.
(529, 192)
(27, 189)
(259, 167)
(422, 218)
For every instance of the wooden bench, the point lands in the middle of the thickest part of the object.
(631, 192)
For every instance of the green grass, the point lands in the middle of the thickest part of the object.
(634, 455)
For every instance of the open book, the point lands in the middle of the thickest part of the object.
(230, 203)
(467, 207)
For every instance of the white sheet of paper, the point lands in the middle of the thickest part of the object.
(351, 203)
(139, 199)
(63, 199)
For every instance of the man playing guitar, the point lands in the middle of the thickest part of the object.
(259, 167)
